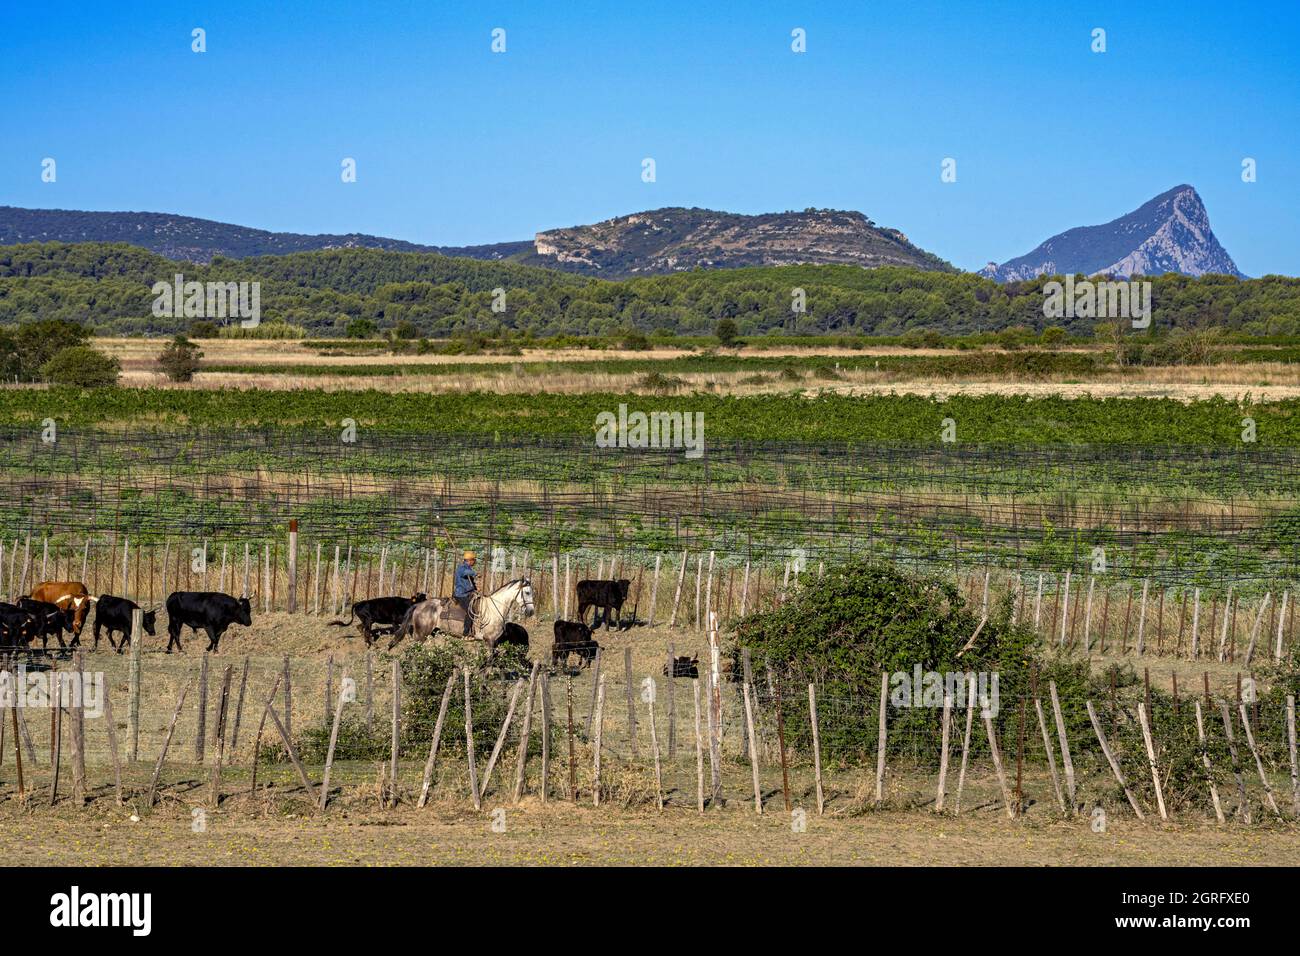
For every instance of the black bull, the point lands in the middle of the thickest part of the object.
(208, 611)
(379, 615)
(604, 596)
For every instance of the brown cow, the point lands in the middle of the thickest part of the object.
(67, 594)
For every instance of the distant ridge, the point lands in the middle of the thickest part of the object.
(189, 239)
(645, 243)
(1170, 233)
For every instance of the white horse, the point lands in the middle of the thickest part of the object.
(489, 613)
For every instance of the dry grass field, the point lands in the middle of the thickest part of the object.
(504, 373)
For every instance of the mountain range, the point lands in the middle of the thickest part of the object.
(1170, 233)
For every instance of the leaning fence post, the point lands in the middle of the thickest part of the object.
(239, 706)
(501, 738)
(1066, 762)
(167, 742)
(329, 755)
(293, 754)
(677, 595)
(1259, 764)
(1205, 760)
(1151, 758)
(525, 733)
(1047, 749)
(1110, 758)
(1243, 808)
(997, 766)
(427, 780)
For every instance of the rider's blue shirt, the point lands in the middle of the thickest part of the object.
(465, 584)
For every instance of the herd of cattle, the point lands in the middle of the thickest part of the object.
(57, 607)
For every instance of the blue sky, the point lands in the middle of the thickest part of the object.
(457, 145)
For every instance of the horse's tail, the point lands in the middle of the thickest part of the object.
(407, 626)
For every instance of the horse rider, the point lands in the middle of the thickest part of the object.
(466, 586)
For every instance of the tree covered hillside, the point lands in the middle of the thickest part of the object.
(107, 286)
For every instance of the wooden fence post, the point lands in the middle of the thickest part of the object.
(1259, 764)
(220, 735)
(1243, 808)
(699, 748)
(965, 742)
(201, 733)
(596, 741)
(1151, 759)
(501, 738)
(753, 748)
(1291, 747)
(881, 739)
(133, 687)
(997, 766)
(654, 748)
(434, 744)
(817, 747)
(329, 755)
(396, 730)
(544, 698)
(1067, 763)
(167, 742)
(111, 727)
(293, 566)
(654, 593)
(525, 734)
(469, 744)
(1110, 759)
(677, 595)
(1205, 760)
(946, 722)
(293, 754)
(239, 706)
(1048, 749)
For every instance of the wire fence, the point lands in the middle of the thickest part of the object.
(1225, 752)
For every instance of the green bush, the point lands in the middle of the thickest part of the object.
(82, 366)
(180, 359)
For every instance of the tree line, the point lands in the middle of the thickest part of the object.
(107, 287)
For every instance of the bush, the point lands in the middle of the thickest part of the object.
(726, 332)
(360, 329)
(204, 329)
(180, 359)
(843, 630)
(83, 367)
(264, 330)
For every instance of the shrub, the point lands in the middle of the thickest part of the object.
(204, 329)
(727, 332)
(360, 329)
(180, 359)
(82, 366)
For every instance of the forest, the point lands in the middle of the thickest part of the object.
(107, 287)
